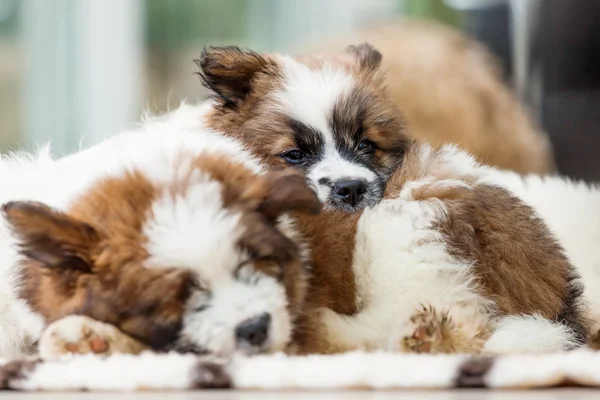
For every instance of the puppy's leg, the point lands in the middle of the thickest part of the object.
(335, 333)
(529, 334)
(78, 334)
(430, 330)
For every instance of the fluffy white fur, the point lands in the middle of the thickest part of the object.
(376, 371)
(190, 230)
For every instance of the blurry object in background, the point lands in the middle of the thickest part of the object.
(450, 91)
(84, 70)
(176, 32)
(73, 71)
(488, 21)
(566, 62)
(555, 58)
(10, 74)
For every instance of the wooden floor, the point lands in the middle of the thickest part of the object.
(554, 394)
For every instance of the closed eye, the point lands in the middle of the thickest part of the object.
(202, 308)
(266, 265)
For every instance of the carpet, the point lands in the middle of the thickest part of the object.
(376, 371)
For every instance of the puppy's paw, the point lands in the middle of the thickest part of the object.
(431, 331)
(78, 334)
(426, 332)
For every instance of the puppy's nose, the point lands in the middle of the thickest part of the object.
(254, 331)
(350, 192)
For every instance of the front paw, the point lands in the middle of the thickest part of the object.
(78, 334)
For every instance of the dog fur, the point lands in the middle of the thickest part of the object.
(450, 261)
(176, 238)
(328, 116)
(456, 259)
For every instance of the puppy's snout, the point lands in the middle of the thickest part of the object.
(255, 331)
(351, 191)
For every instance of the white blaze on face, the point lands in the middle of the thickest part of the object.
(333, 168)
(232, 303)
(192, 230)
(310, 96)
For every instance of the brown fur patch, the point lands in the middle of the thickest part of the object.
(330, 236)
(517, 261)
(368, 57)
(231, 71)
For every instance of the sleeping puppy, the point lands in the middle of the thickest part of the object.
(177, 240)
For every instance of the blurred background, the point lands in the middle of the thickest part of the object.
(73, 71)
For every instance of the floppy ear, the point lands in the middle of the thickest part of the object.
(287, 191)
(51, 237)
(229, 71)
(366, 55)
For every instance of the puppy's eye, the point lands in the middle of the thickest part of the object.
(201, 308)
(294, 156)
(367, 146)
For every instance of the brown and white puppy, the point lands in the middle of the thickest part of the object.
(178, 239)
(450, 90)
(326, 115)
(450, 261)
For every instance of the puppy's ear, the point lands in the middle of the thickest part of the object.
(288, 191)
(229, 71)
(367, 56)
(51, 237)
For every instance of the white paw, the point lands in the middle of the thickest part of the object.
(78, 334)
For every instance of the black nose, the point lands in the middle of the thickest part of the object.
(350, 192)
(254, 331)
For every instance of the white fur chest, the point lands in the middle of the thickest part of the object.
(401, 263)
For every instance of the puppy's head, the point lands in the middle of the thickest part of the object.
(327, 115)
(202, 261)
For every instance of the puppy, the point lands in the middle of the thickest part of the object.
(450, 261)
(175, 239)
(328, 116)
(335, 115)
